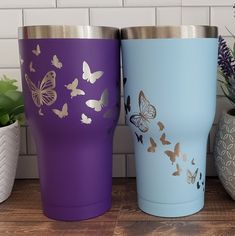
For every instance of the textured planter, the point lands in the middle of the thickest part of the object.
(170, 96)
(70, 79)
(224, 151)
(9, 152)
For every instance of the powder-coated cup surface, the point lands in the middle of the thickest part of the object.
(170, 100)
(70, 77)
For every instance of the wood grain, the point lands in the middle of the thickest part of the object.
(21, 214)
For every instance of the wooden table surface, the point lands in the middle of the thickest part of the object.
(21, 214)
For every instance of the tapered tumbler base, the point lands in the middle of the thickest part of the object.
(76, 213)
(171, 210)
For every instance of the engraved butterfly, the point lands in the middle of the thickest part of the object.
(31, 69)
(163, 140)
(178, 170)
(139, 137)
(161, 126)
(153, 145)
(74, 90)
(97, 105)
(88, 75)
(173, 154)
(147, 112)
(56, 63)
(85, 119)
(37, 51)
(63, 112)
(191, 178)
(127, 105)
(44, 93)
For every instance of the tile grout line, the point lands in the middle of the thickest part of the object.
(22, 10)
(155, 10)
(126, 166)
(89, 16)
(26, 138)
(209, 15)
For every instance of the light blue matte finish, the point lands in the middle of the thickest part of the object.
(178, 77)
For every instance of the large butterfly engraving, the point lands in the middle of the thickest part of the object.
(147, 112)
(44, 93)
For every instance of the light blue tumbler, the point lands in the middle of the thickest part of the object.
(170, 101)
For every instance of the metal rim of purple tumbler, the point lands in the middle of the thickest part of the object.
(67, 31)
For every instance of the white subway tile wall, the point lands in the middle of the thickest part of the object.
(89, 3)
(119, 13)
(195, 15)
(168, 15)
(122, 17)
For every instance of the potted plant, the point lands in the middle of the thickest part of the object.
(224, 147)
(11, 112)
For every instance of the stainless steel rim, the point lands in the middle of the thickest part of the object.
(67, 31)
(183, 31)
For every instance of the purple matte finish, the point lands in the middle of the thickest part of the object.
(75, 159)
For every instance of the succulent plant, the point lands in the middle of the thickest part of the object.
(11, 102)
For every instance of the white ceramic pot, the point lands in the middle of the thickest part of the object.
(9, 152)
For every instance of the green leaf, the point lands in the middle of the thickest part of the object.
(6, 103)
(15, 96)
(4, 119)
(11, 102)
(17, 110)
(7, 84)
(20, 118)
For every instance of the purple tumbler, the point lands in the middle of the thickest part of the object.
(70, 78)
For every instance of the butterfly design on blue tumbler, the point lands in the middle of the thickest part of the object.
(147, 112)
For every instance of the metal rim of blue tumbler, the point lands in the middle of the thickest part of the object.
(67, 31)
(182, 32)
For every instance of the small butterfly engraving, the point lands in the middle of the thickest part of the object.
(160, 125)
(88, 75)
(124, 81)
(178, 170)
(163, 140)
(198, 185)
(191, 178)
(193, 162)
(97, 105)
(63, 112)
(31, 69)
(153, 145)
(21, 61)
(40, 112)
(56, 63)
(74, 90)
(173, 154)
(85, 119)
(128, 104)
(37, 51)
(139, 138)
